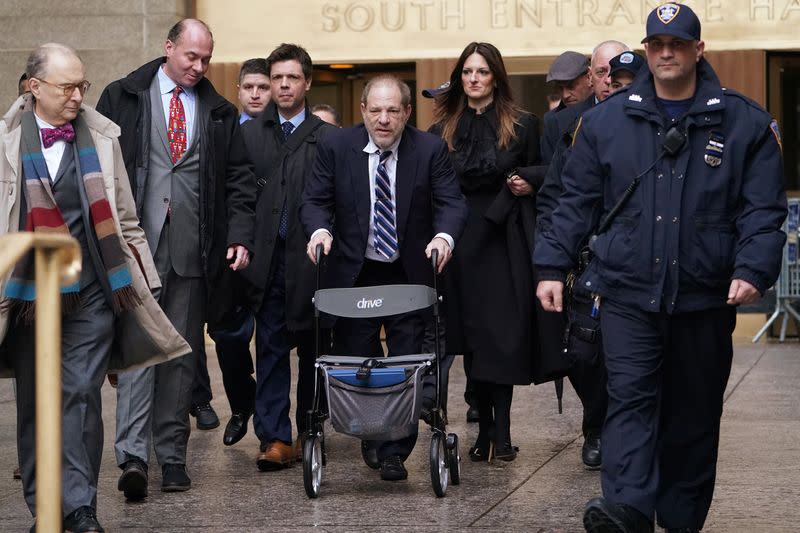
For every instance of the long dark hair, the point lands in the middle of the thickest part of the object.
(451, 104)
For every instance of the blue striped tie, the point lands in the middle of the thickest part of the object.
(385, 231)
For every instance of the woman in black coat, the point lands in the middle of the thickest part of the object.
(494, 147)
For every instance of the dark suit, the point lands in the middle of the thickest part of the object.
(280, 277)
(428, 202)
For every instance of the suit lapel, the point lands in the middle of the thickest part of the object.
(405, 178)
(359, 172)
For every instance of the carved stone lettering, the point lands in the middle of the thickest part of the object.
(498, 14)
(423, 6)
(330, 14)
(758, 8)
(587, 10)
(529, 10)
(393, 22)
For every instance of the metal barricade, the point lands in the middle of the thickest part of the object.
(787, 288)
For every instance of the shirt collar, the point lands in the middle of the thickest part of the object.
(372, 148)
(166, 85)
(244, 117)
(295, 120)
(41, 123)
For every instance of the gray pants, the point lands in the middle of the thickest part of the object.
(86, 337)
(153, 403)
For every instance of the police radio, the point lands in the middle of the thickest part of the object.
(581, 336)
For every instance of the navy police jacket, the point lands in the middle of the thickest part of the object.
(710, 214)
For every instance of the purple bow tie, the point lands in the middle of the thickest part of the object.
(51, 135)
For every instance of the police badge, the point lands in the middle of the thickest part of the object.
(713, 156)
(667, 12)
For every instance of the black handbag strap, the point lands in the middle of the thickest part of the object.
(293, 142)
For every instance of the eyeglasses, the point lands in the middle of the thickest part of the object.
(69, 88)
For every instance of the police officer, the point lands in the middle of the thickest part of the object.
(700, 234)
(624, 68)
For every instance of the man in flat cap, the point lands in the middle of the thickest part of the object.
(570, 72)
(698, 234)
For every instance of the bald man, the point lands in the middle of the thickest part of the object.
(599, 68)
(195, 194)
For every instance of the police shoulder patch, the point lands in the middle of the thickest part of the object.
(635, 98)
(773, 126)
(668, 12)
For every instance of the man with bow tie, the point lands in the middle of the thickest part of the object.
(195, 192)
(62, 171)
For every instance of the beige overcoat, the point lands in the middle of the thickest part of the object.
(144, 335)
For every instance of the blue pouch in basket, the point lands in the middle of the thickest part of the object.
(378, 377)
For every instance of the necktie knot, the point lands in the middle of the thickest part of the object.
(64, 133)
(288, 128)
(177, 91)
(385, 155)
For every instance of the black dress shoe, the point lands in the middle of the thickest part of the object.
(133, 480)
(590, 452)
(506, 452)
(370, 455)
(601, 516)
(174, 478)
(392, 469)
(206, 416)
(472, 414)
(235, 429)
(81, 520)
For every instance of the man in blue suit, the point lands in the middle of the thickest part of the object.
(382, 196)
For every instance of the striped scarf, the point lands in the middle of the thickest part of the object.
(43, 215)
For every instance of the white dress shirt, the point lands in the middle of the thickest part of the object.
(188, 98)
(391, 169)
(53, 154)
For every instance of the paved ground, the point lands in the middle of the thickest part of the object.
(758, 487)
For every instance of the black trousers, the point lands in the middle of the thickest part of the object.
(361, 337)
(232, 340)
(666, 379)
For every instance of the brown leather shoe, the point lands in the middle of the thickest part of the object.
(277, 455)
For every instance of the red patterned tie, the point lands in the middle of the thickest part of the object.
(176, 131)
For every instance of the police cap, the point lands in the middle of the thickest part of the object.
(630, 61)
(436, 91)
(677, 20)
(568, 66)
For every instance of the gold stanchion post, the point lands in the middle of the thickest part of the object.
(48, 390)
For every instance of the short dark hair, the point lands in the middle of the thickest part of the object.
(257, 65)
(288, 52)
(326, 107)
(176, 31)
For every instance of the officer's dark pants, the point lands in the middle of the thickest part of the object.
(666, 379)
(589, 380)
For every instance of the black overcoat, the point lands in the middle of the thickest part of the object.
(489, 289)
(227, 186)
(264, 138)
